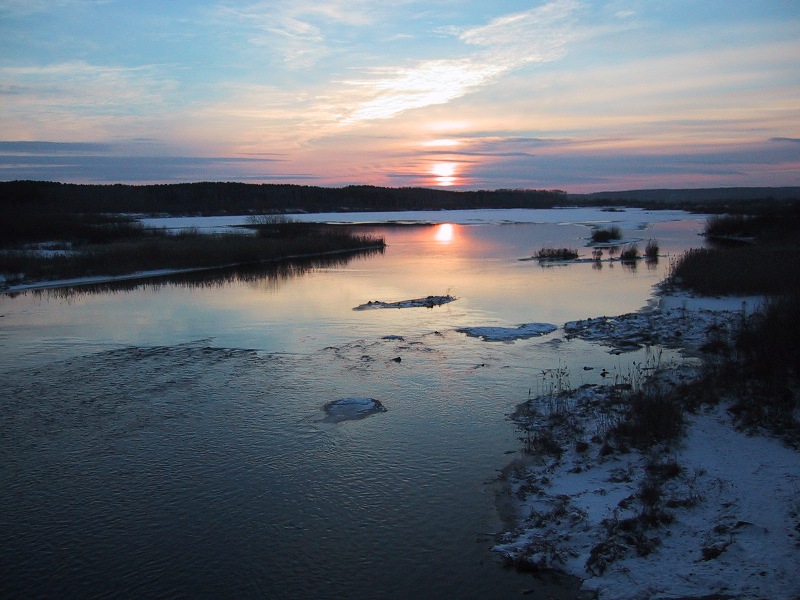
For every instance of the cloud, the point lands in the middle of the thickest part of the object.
(78, 83)
(296, 30)
(52, 147)
(79, 168)
(506, 43)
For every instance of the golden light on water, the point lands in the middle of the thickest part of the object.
(444, 233)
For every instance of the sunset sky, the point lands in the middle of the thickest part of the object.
(469, 94)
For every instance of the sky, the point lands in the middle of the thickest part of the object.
(466, 94)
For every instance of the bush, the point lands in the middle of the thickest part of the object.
(651, 250)
(629, 253)
(557, 254)
(602, 236)
(651, 419)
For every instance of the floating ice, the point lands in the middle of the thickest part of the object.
(349, 409)
(509, 334)
(427, 302)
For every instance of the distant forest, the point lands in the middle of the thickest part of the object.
(24, 197)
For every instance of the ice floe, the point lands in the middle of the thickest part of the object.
(509, 334)
(350, 409)
(427, 302)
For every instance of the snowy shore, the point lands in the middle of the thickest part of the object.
(715, 513)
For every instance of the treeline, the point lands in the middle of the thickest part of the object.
(243, 198)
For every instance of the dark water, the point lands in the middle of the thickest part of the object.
(168, 441)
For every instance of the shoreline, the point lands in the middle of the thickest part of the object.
(712, 512)
(165, 273)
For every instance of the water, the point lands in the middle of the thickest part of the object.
(168, 439)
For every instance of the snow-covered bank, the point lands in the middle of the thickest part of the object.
(716, 512)
(679, 320)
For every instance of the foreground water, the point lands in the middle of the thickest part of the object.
(168, 440)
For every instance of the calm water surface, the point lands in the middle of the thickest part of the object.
(166, 440)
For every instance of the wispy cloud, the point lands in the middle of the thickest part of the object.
(78, 83)
(506, 43)
(295, 31)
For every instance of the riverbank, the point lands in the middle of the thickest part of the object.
(158, 253)
(644, 495)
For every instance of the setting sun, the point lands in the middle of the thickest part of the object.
(445, 173)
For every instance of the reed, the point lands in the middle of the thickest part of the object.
(602, 236)
(183, 251)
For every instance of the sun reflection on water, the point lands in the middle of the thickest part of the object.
(444, 233)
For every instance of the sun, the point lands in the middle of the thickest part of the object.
(445, 173)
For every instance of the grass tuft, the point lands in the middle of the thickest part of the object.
(557, 254)
(602, 236)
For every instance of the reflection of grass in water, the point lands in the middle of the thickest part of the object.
(270, 275)
(188, 250)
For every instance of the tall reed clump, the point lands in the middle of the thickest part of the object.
(749, 270)
(652, 417)
(546, 254)
(764, 370)
(630, 253)
(651, 250)
(186, 250)
(602, 236)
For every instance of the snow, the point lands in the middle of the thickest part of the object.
(509, 334)
(748, 490)
(629, 218)
(349, 409)
(677, 320)
(733, 506)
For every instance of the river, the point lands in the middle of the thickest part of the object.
(167, 438)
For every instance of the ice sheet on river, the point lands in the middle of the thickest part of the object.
(427, 302)
(509, 334)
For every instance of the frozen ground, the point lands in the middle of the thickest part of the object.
(717, 513)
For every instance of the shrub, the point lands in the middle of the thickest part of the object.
(602, 236)
(629, 253)
(650, 419)
(557, 254)
(651, 250)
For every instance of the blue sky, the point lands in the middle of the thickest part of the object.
(569, 94)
